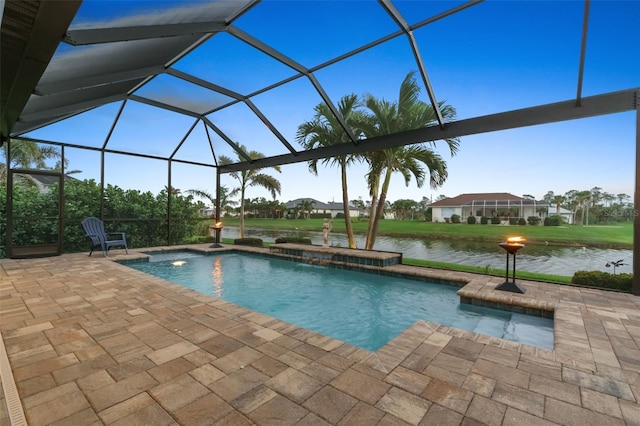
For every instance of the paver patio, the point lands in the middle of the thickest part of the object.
(90, 341)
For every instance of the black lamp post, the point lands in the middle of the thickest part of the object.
(217, 228)
(512, 245)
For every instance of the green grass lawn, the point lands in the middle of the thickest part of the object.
(617, 235)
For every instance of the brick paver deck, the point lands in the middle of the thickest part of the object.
(91, 342)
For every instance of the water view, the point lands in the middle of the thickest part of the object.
(549, 259)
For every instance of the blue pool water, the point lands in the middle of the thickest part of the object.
(363, 309)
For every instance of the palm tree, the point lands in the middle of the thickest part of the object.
(225, 195)
(407, 161)
(622, 198)
(596, 195)
(557, 200)
(584, 200)
(325, 130)
(542, 211)
(393, 117)
(25, 155)
(608, 199)
(252, 177)
(307, 207)
(572, 203)
(276, 209)
(548, 197)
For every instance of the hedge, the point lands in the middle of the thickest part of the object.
(293, 240)
(320, 216)
(254, 242)
(602, 279)
(553, 221)
(533, 220)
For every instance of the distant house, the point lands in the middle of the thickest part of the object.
(44, 182)
(208, 211)
(501, 204)
(567, 215)
(320, 207)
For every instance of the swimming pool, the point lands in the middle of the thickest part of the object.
(364, 309)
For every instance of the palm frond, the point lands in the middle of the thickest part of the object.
(267, 182)
(201, 193)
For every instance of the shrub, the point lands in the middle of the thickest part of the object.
(455, 218)
(602, 279)
(339, 215)
(554, 220)
(428, 215)
(471, 220)
(513, 221)
(533, 220)
(253, 242)
(293, 240)
(320, 216)
(521, 221)
(495, 220)
(202, 228)
(484, 220)
(199, 239)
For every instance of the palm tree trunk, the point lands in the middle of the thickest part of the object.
(380, 210)
(345, 205)
(241, 230)
(372, 213)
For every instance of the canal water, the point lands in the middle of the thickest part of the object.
(546, 259)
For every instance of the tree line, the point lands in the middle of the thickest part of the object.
(593, 205)
(145, 218)
(588, 207)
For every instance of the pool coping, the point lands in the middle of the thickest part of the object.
(543, 298)
(336, 262)
(596, 352)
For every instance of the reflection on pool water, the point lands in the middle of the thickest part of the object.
(363, 309)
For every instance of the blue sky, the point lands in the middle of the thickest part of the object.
(492, 57)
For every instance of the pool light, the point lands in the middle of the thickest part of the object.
(179, 262)
(512, 245)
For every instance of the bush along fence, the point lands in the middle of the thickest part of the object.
(143, 216)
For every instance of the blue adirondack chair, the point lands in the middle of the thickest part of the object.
(94, 228)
